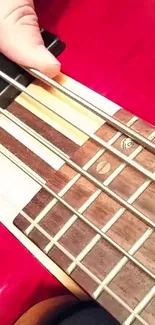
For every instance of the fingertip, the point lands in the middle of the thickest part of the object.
(46, 63)
(51, 70)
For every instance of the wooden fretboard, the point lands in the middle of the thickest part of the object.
(94, 212)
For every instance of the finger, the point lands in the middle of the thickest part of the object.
(21, 41)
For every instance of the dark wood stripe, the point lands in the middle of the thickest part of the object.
(55, 219)
(114, 307)
(146, 254)
(90, 148)
(127, 182)
(41, 127)
(55, 180)
(145, 203)
(123, 116)
(131, 284)
(59, 215)
(79, 193)
(38, 238)
(127, 230)
(102, 258)
(62, 260)
(102, 210)
(26, 155)
(77, 237)
(38, 203)
(139, 126)
(21, 223)
(131, 280)
(84, 280)
(149, 312)
(143, 128)
(147, 160)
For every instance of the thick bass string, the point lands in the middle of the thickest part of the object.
(94, 213)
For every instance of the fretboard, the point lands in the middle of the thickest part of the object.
(94, 212)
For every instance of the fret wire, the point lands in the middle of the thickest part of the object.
(118, 267)
(60, 233)
(74, 211)
(48, 207)
(94, 137)
(125, 323)
(75, 179)
(107, 226)
(109, 119)
(106, 237)
(82, 209)
(118, 214)
(85, 269)
(141, 306)
(54, 201)
(58, 245)
(126, 159)
(99, 184)
(138, 305)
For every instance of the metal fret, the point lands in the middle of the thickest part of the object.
(128, 255)
(87, 271)
(94, 137)
(78, 214)
(76, 178)
(122, 263)
(109, 119)
(140, 307)
(109, 224)
(92, 179)
(90, 200)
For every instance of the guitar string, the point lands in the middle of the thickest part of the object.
(30, 131)
(84, 269)
(71, 220)
(74, 211)
(94, 137)
(73, 181)
(148, 233)
(117, 215)
(141, 306)
(91, 178)
(109, 119)
(19, 75)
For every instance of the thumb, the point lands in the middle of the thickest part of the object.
(20, 38)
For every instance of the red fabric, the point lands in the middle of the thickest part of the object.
(23, 280)
(111, 49)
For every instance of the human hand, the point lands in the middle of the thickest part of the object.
(20, 38)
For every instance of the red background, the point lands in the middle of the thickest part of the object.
(111, 49)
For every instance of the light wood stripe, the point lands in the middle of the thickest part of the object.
(32, 144)
(42, 128)
(107, 250)
(16, 189)
(72, 113)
